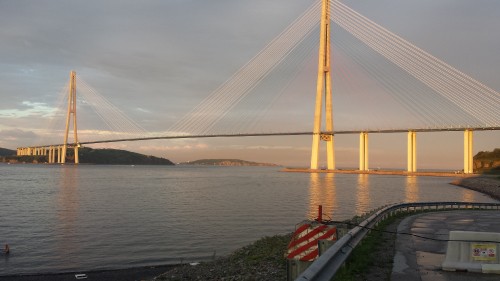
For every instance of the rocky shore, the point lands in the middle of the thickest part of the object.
(486, 184)
(261, 260)
(264, 259)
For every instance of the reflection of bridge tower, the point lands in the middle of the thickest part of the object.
(323, 88)
(71, 111)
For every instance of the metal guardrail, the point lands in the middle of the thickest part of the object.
(325, 267)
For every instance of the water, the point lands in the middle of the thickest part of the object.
(72, 218)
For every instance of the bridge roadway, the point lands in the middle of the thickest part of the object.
(60, 149)
(297, 134)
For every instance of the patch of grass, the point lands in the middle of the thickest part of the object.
(365, 253)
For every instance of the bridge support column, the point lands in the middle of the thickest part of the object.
(468, 158)
(363, 151)
(412, 151)
(77, 159)
(59, 154)
(323, 89)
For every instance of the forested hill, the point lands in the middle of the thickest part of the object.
(119, 157)
(7, 152)
(487, 161)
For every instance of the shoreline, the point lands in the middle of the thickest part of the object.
(487, 184)
(125, 274)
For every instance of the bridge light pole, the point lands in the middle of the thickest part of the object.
(71, 112)
(323, 89)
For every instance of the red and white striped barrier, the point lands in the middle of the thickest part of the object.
(304, 243)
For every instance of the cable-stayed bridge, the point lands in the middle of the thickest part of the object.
(433, 95)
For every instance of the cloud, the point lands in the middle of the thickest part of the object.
(29, 109)
(16, 138)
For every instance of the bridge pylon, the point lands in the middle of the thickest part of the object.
(71, 112)
(468, 155)
(323, 89)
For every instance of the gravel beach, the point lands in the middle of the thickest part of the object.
(487, 184)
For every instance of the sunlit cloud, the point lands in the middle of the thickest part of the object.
(30, 109)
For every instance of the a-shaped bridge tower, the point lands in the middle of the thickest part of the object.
(323, 91)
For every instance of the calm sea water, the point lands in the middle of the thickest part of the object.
(72, 218)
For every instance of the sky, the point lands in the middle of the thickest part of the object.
(156, 60)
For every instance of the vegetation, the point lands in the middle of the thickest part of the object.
(487, 162)
(120, 157)
(97, 156)
(225, 162)
(372, 259)
(7, 152)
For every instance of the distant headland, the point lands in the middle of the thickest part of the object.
(105, 156)
(225, 162)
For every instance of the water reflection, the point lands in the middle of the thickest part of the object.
(363, 194)
(67, 211)
(322, 191)
(411, 189)
(468, 195)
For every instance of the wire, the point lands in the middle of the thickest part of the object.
(330, 222)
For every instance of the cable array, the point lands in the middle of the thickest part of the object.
(204, 116)
(258, 108)
(468, 94)
(112, 117)
(426, 107)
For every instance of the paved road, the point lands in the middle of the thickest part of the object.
(421, 259)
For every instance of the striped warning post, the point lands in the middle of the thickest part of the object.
(304, 243)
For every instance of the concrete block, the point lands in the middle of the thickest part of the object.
(472, 251)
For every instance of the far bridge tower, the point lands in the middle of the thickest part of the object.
(71, 112)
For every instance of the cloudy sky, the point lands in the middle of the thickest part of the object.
(156, 60)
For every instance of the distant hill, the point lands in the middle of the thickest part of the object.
(120, 157)
(487, 161)
(97, 156)
(7, 152)
(226, 162)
